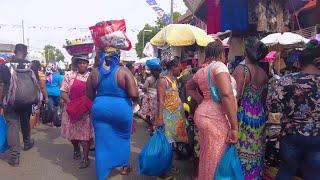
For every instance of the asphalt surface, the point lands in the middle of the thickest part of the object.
(51, 159)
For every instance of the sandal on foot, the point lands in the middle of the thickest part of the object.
(76, 155)
(126, 170)
(84, 164)
(166, 177)
(174, 170)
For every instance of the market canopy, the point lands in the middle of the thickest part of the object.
(286, 38)
(6, 47)
(181, 35)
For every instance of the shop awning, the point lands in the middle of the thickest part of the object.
(6, 47)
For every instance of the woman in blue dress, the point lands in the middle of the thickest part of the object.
(113, 88)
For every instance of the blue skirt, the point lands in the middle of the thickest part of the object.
(112, 121)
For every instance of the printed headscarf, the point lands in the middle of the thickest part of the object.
(108, 61)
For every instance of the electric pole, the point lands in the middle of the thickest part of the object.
(23, 32)
(171, 11)
(28, 41)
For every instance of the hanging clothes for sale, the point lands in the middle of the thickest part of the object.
(213, 16)
(271, 15)
(234, 15)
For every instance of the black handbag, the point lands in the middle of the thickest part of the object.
(56, 119)
(44, 114)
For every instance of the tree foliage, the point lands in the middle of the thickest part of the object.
(148, 35)
(148, 31)
(52, 53)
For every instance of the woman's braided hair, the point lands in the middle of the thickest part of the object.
(214, 49)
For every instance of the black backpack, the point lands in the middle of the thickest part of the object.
(24, 90)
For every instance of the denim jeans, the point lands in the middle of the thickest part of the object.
(298, 151)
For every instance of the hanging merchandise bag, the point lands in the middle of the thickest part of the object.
(111, 34)
(229, 166)
(3, 134)
(156, 157)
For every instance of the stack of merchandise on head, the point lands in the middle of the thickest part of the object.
(111, 34)
(79, 46)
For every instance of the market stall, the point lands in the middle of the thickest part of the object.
(182, 40)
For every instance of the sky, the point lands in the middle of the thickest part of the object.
(72, 13)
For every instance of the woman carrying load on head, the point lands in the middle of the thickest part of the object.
(76, 124)
(149, 101)
(112, 87)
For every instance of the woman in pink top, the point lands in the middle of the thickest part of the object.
(216, 121)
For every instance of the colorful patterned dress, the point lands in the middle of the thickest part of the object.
(149, 99)
(251, 144)
(173, 114)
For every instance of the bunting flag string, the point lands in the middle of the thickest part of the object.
(45, 27)
(160, 12)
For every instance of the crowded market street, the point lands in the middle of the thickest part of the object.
(51, 159)
(160, 90)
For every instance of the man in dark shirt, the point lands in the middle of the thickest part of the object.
(14, 116)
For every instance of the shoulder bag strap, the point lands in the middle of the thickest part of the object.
(173, 83)
(246, 71)
(210, 74)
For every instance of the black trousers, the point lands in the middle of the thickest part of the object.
(15, 118)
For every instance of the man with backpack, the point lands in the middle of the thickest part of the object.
(19, 90)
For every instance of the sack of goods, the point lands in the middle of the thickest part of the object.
(3, 134)
(156, 157)
(111, 34)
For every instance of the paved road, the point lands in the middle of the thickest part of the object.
(51, 159)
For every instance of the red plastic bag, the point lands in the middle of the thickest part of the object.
(111, 34)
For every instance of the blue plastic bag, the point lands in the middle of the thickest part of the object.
(154, 64)
(3, 134)
(229, 166)
(156, 156)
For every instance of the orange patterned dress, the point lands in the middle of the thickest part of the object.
(212, 123)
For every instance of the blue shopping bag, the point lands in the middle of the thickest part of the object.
(156, 156)
(229, 167)
(3, 135)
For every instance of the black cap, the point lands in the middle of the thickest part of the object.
(20, 48)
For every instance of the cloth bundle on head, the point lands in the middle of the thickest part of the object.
(51, 67)
(154, 64)
(255, 50)
(108, 60)
(173, 61)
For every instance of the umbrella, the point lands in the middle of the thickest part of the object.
(286, 38)
(181, 35)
